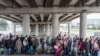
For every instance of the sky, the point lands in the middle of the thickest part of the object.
(89, 16)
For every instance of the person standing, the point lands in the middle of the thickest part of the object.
(81, 46)
(95, 48)
(8, 45)
(66, 47)
(18, 45)
(86, 47)
(48, 42)
(1, 46)
(25, 46)
(99, 47)
(58, 46)
(42, 44)
(34, 44)
(13, 42)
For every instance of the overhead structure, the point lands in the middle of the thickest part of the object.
(70, 14)
(47, 12)
(42, 17)
(50, 17)
(56, 2)
(33, 16)
(73, 2)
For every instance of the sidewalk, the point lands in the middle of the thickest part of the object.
(28, 55)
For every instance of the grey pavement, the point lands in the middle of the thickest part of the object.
(28, 55)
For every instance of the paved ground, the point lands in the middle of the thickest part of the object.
(28, 55)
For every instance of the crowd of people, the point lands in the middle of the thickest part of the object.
(76, 46)
(62, 45)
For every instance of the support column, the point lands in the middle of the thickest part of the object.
(48, 29)
(44, 28)
(83, 24)
(69, 29)
(36, 29)
(14, 24)
(55, 25)
(26, 24)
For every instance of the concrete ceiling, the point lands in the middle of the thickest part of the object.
(11, 7)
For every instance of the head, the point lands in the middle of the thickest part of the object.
(81, 39)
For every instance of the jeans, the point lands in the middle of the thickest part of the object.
(95, 53)
(86, 52)
(66, 51)
(12, 50)
(81, 52)
(8, 51)
(42, 48)
(1, 50)
(25, 49)
(31, 50)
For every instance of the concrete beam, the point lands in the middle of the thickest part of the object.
(42, 10)
(2, 2)
(72, 17)
(45, 22)
(21, 2)
(66, 16)
(73, 2)
(39, 2)
(50, 16)
(90, 2)
(9, 18)
(56, 2)
(60, 14)
(16, 17)
(40, 23)
(42, 17)
(34, 18)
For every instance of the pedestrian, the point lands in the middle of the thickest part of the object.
(42, 44)
(25, 46)
(66, 52)
(81, 47)
(1, 46)
(58, 46)
(48, 42)
(95, 48)
(99, 47)
(86, 47)
(18, 46)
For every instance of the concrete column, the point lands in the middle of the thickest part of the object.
(69, 25)
(14, 24)
(26, 24)
(44, 28)
(48, 29)
(83, 24)
(55, 25)
(36, 29)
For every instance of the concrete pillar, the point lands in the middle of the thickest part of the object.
(48, 29)
(36, 29)
(55, 25)
(26, 24)
(14, 24)
(69, 26)
(83, 24)
(44, 29)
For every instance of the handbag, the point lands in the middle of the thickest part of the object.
(55, 46)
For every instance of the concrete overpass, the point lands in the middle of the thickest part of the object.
(48, 14)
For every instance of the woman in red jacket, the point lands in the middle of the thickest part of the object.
(81, 46)
(58, 47)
